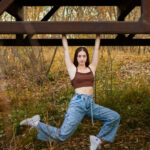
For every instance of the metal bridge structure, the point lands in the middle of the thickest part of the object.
(24, 30)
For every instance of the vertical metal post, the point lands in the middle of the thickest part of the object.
(20, 17)
(145, 10)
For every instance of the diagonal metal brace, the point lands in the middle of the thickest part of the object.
(4, 4)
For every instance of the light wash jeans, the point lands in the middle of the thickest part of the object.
(81, 105)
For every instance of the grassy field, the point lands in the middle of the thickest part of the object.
(122, 84)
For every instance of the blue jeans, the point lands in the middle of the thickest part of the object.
(81, 105)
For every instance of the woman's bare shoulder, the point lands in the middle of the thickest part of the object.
(92, 68)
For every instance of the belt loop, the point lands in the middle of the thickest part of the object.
(91, 113)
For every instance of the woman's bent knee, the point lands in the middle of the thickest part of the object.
(63, 135)
(63, 138)
(115, 116)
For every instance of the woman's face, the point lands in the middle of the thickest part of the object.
(81, 58)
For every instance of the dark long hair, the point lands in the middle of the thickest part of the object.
(76, 55)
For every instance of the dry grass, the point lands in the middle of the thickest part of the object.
(125, 76)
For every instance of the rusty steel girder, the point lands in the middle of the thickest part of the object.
(73, 2)
(120, 27)
(75, 42)
(75, 27)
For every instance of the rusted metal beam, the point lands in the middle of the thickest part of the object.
(16, 11)
(72, 2)
(145, 10)
(20, 17)
(4, 4)
(125, 8)
(130, 36)
(49, 14)
(75, 42)
(74, 27)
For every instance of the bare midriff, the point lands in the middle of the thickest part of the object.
(84, 90)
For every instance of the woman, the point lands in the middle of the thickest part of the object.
(82, 74)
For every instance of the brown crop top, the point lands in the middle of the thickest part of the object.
(83, 79)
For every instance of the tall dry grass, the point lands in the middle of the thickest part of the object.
(122, 83)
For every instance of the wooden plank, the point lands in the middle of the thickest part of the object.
(4, 4)
(74, 42)
(74, 27)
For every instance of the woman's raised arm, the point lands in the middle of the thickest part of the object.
(68, 60)
(95, 56)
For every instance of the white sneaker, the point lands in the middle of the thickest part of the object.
(94, 142)
(33, 121)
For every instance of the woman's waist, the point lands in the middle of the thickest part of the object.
(84, 90)
(87, 98)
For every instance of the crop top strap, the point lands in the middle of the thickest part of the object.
(90, 68)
